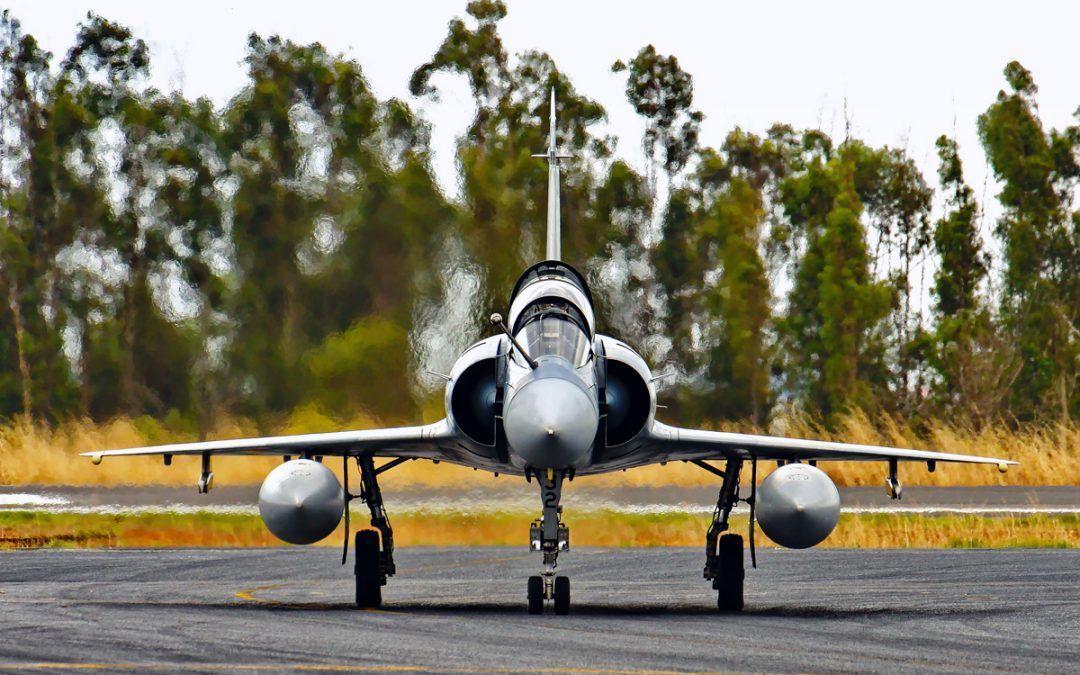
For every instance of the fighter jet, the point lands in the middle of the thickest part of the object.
(547, 398)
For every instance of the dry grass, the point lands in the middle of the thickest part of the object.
(28, 529)
(955, 531)
(37, 454)
(601, 528)
(681, 529)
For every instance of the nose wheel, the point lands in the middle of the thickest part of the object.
(562, 595)
(556, 589)
(536, 595)
(549, 536)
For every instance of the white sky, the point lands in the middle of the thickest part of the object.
(908, 71)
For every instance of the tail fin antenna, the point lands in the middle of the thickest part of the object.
(554, 235)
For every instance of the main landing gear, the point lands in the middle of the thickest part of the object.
(374, 563)
(549, 536)
(724, 554)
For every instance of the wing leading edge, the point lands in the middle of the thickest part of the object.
(422, 442)
(676, 443)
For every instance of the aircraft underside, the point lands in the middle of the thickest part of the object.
(549, 535)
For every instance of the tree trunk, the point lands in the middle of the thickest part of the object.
(24, 367)
(1063, 394)
(128, 397)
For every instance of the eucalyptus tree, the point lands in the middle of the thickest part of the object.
(372, 287)
(1040, 235)
(48, 194)
(710, 266)
(164, 212)
(663, 93)
(334, 214)
(186, 245)
(834, 348)
(504, 186)
(897, 201)
(975, 363)
(736, 303)
(286, 132)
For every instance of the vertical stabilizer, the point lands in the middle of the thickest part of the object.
(554, 233)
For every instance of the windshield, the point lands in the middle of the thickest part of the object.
(555, 335)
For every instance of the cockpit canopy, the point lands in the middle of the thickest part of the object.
(554, 327)
(550, 287)
(552, 269)
(551, 313)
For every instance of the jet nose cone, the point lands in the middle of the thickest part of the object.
(551, 422)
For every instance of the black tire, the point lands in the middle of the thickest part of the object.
(729, 584)
(368, 575)
(536, 595)
(562, 595)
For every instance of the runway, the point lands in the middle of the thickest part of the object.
(463, 610)
(516, 496)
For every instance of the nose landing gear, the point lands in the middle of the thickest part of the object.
(549, 536)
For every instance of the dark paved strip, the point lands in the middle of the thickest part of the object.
(577, 495)
(455, 610)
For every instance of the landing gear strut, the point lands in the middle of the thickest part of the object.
(549, 536)
(724, 554)
(373, 565)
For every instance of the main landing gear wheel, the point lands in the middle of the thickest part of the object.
(562, 595)
(724, 554)
(374, 548)
(729, 582)
(368, 574)
(536, 595)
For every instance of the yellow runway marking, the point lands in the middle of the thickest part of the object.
(333, 667)
(249, 594)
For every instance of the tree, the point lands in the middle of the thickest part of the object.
(974, 364)
(504, 186)
(41, 191)
(152, 228)
(297, 134)
(738, 305)
(710, 267)
(897, 201)
(375, 285)
(662, 92)
(477, 53)
(1041, 300)
(834, 310)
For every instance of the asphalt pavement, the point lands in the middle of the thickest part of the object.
(463, 610)
(515, 494)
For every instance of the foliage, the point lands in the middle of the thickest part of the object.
(662, 92)
(1040, 303)
(163, 258)
(835, 307)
